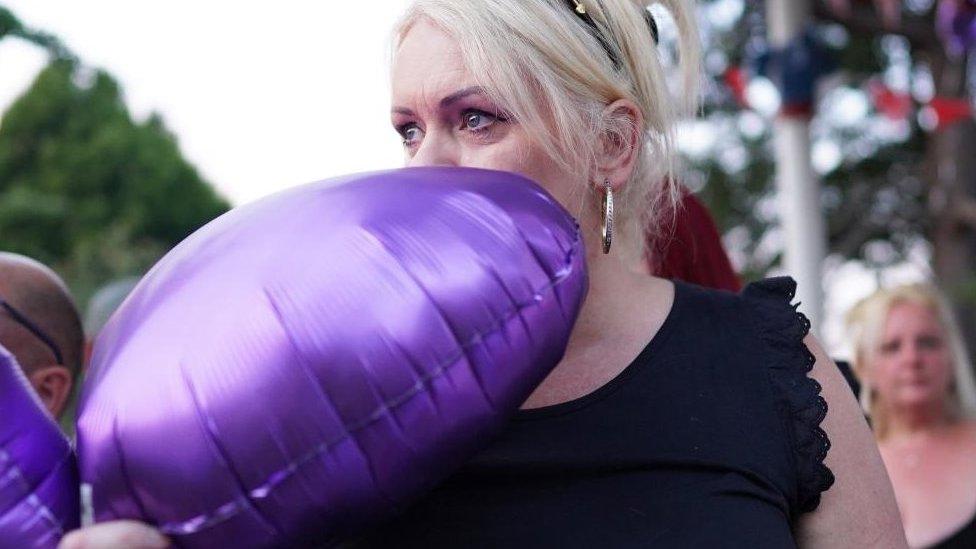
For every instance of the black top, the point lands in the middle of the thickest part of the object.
(964, 538)
(710, 438)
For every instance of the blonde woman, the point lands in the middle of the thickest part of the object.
(679, 417)
(918, 389)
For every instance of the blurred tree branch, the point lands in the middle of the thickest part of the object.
(864, 19)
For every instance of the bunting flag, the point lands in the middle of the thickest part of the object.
(735, 79)
(888, 10)
(956, 25)
(943, 112)
(892, 105)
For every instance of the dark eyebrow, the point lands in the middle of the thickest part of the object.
(447, 101)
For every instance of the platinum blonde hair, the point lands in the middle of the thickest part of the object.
(867, 323)
(541, 61)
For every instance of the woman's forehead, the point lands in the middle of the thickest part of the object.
(428, 59)
(909, 314)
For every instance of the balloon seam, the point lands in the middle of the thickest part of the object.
(460, 353)
(232, 508)
(207, 425)
(418, 372)
(326, 446)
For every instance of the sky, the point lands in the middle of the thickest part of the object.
(260, 98)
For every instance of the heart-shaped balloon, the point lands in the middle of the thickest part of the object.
(310, 363)
(38, 472)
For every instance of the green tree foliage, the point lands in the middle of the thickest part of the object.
(88, 190)
(11, 26)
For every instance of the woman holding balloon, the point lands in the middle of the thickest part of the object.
(676, 416)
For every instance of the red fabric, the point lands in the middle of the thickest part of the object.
(694, 253)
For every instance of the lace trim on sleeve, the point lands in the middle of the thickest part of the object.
(783, 328)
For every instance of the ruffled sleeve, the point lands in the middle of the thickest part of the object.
(782, 327)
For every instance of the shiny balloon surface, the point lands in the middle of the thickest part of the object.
(38, 471)
(307, 364)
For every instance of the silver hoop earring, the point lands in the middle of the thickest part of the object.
(607, 230)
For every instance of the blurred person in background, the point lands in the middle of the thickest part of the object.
(102, 306)
(919, 392)
(690, 248)
(40, 326)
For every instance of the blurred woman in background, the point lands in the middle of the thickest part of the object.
(920, 395)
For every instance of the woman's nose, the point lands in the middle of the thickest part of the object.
(437, 149)
(911, 355)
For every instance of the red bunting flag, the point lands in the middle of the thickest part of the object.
(946, 111)
(735, 79)
(891, 104)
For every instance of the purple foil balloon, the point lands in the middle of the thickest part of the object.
(306, 365)
(956, 23)
(38, 473)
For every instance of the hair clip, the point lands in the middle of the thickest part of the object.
(652, 23)
(580, 10)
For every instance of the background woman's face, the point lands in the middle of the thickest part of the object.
(913, 364)
(446, 119)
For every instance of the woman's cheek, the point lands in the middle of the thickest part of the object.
(880, 375)
(944, 367)
(497, 156)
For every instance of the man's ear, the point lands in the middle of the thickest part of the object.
(621, 141)
(53, 385)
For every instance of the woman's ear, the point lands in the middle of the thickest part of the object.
(620, 143)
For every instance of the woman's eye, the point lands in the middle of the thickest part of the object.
(411, 134)
(477, 120)
(889, 347)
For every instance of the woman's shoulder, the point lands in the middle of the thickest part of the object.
(785, 330)
(774, 290)
(762, 331)
(762, 309)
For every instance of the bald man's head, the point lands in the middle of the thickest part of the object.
(37, 293)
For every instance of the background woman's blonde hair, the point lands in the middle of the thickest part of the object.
(541, 61)
(867, 324)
